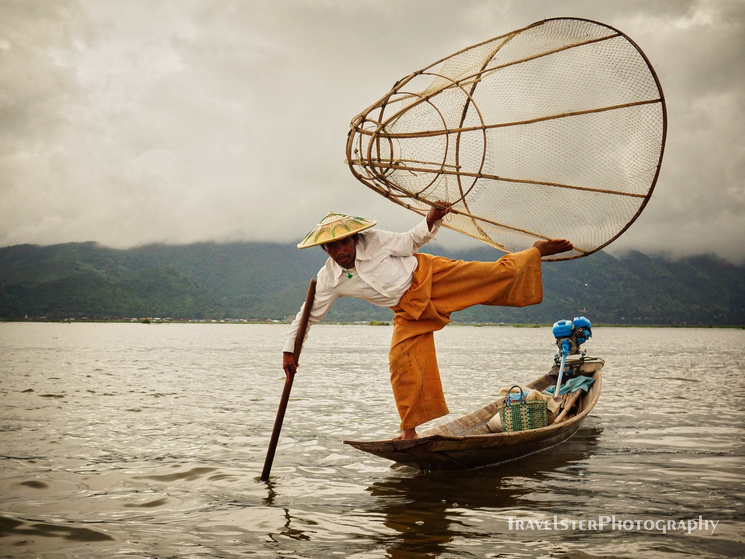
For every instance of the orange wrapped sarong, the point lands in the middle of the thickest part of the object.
(442, 286)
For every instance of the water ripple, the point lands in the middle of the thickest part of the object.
(129, 441)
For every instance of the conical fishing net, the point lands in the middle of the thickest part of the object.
(552, 131)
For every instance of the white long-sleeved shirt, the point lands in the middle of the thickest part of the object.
(383, 271)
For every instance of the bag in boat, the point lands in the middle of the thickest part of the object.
(523, 415)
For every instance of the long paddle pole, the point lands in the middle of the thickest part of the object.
(288, 382)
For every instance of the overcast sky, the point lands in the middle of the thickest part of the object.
(129, 122)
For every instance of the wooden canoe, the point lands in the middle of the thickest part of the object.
(468, 442)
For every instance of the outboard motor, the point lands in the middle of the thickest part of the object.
(569, 334)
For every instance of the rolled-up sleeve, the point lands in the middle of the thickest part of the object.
(406, 244)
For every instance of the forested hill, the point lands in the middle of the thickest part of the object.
(261, 281)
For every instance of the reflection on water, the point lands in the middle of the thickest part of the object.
(430, 510)
(148, 440)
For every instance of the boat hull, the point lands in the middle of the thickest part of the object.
(440, 449)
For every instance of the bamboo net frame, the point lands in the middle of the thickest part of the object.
(556, 130)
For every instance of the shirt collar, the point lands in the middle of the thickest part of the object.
(336, 270)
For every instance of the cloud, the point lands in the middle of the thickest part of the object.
(699, 203)
(136, 122)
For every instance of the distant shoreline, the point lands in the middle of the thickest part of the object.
(357, 323)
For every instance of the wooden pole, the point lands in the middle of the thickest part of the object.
(288, 382)
(571, 399)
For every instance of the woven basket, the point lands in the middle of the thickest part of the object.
(522, 415)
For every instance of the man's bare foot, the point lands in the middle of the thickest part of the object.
(407, 434)
(552, 246)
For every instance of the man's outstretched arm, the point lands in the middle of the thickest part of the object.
(552, 246)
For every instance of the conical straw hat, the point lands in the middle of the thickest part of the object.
(334, 227)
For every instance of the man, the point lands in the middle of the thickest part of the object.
(422, 290)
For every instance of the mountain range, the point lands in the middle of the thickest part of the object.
(264, 281)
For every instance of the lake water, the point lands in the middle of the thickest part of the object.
(131, 440)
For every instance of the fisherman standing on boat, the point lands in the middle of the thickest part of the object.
(384, 268)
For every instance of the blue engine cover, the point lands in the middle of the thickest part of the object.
(581, 322)
(563, 329)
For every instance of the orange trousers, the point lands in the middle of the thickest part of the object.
(442, 286)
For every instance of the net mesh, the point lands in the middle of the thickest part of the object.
(553, 131)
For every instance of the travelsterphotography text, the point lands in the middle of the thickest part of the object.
(613, 523)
